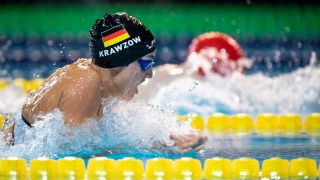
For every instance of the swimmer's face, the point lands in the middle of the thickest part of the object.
(133, 76)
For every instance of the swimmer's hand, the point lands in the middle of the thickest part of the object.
(189, 142)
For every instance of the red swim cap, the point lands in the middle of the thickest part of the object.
(227, 52)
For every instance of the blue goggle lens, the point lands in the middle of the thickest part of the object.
(145, 64)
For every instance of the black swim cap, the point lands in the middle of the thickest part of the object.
(118, 39)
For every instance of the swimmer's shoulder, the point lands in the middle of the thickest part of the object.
(65, 71)
(69, 75)
(82, 65)
(83, 71)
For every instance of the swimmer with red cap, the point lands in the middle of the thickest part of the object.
(123, 52)
(216, 53)
(212, 53)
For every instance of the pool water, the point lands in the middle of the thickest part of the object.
(295, 92)
(132, 128)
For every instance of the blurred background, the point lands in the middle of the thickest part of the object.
(36, 37)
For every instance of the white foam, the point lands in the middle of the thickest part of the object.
(296, 92)
(125, 127)
(11, 99)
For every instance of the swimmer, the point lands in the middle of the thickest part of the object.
(123, 52)
(211, 53)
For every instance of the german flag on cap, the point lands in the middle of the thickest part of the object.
(114, 35)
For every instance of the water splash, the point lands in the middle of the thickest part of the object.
(11, 99)
(125, 128)
(296, 92)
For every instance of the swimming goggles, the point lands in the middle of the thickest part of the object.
(145, 63)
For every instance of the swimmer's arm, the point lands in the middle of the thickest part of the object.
(81, 99)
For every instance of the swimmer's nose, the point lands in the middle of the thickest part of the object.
(149, 73)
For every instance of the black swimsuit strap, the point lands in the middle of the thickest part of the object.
(25, 121)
